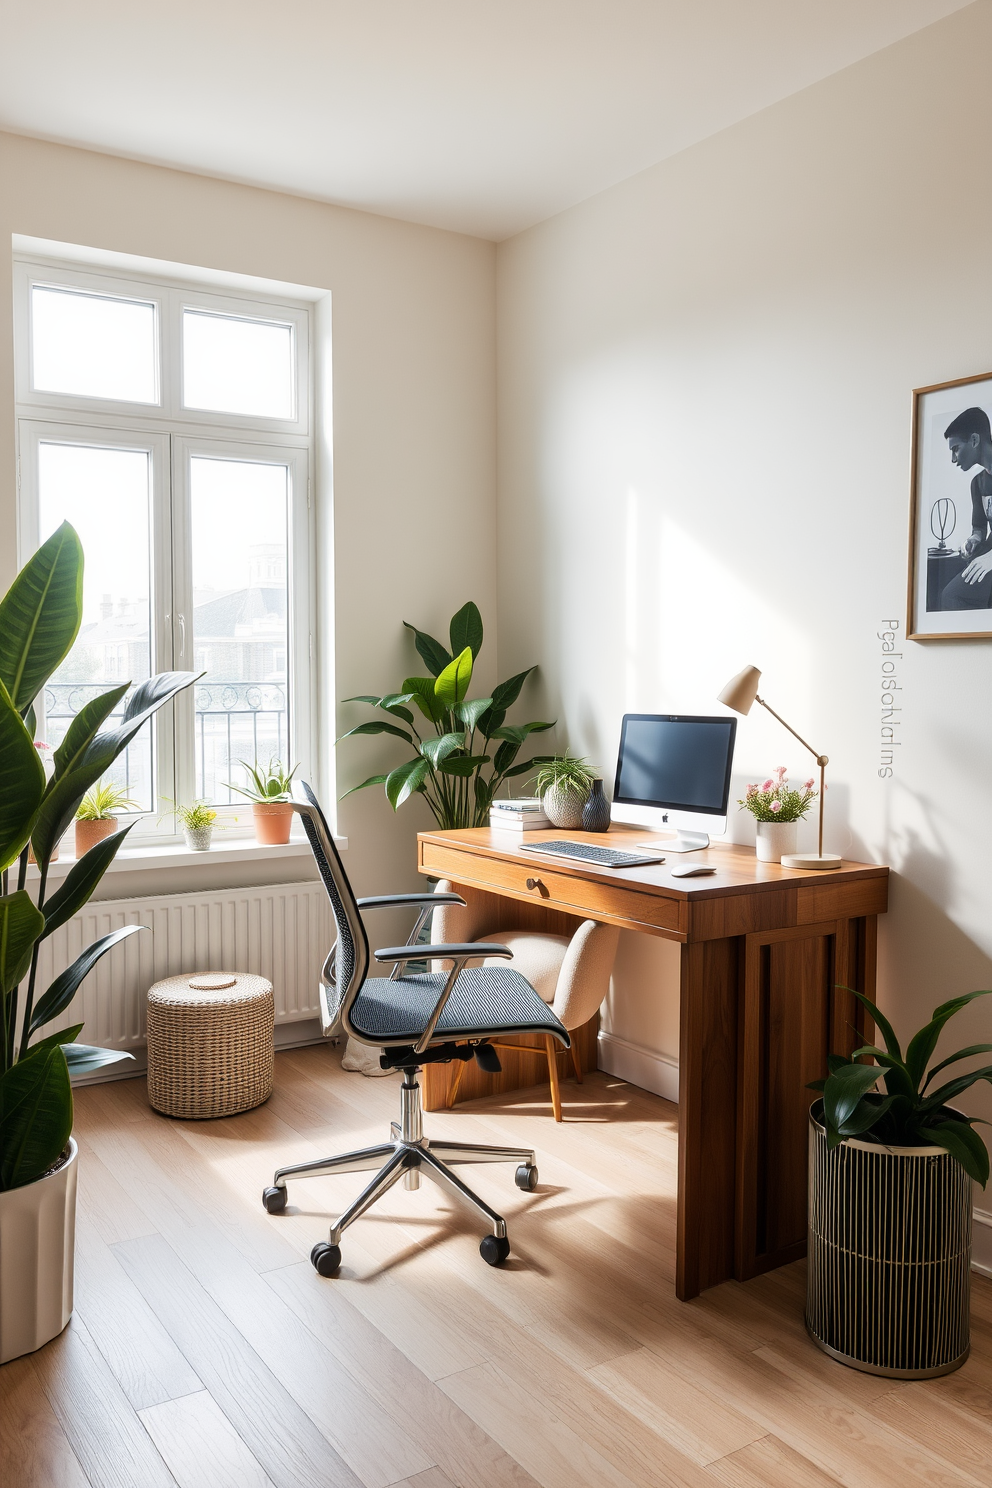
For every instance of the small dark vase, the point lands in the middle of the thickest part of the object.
(596, 811)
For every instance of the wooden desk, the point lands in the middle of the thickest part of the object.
(766, 955)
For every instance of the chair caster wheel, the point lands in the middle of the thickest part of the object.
(494, 1250)
(526, 1178)
(326, 1259)
(274, 1199)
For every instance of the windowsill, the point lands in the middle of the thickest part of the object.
(244, 850)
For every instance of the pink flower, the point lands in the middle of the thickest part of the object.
(809, 784)
(752, 790)
(775, 806)
(768, 785)
(779, 773)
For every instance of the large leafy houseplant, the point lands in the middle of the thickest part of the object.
(909, 1113)
(449, 766)
(39, 619)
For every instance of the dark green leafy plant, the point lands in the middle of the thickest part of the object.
(909, 1113)
(39, 620)
(449, 766)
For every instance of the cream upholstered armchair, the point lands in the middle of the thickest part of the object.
(570, 973)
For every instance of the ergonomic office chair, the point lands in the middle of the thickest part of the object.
(416, 1019)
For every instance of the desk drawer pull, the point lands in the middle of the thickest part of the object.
(535, 883)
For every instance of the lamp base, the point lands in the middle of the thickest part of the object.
(815, 861)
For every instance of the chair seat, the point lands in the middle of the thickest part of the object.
(484, 1003)
(536, 956)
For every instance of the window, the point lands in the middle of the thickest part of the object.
(170, 424)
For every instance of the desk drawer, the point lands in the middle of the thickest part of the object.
(565, 891)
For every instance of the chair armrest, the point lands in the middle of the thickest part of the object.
(470, 950)
(389, 901)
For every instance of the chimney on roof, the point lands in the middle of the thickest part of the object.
(106, 607)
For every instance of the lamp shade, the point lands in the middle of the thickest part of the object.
(741, 691)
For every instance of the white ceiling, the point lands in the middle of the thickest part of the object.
(480, 115)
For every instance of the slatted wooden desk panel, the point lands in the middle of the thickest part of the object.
(767, 953)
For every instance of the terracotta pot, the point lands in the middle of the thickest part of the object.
(37, 1236)
(273, 820)
(89, 833)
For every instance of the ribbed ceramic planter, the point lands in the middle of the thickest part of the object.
(772, 839)
(889, 1269)
(37, 1240)
(564, 808)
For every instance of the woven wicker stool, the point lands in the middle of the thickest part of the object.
(210, 1044)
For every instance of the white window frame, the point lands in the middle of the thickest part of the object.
(172, 434)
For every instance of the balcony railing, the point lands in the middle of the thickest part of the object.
(233, 721)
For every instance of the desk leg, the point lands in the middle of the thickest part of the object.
(708, 1057)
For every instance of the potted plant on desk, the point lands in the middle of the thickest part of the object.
(39, 619)
(890, 1202)
(777, 808)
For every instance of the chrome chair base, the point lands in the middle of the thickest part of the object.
(408, 1155)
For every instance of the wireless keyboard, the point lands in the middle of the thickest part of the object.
(603, 857)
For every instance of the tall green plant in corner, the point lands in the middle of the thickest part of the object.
(39, 619)
(449, 766)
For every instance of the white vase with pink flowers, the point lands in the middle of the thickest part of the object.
(777, 808)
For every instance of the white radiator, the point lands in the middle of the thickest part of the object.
(282, 932)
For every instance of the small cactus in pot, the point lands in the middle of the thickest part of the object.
(564, 784)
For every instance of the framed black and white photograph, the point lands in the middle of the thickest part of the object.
(950, 546)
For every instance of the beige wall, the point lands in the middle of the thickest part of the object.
(704, 393)
(411, 532)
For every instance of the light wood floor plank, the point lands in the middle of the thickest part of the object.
(200, 1445)
(34, 1449)
(769, 1463)
(141, 1355)
(277, 1431)
(468, 1455)
(106, 1434)
(217, 1357)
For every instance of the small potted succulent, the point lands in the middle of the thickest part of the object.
(564, 784)
(197, 821)
(270, 793)
(890, 1203)
(96, 815)
(777, 808)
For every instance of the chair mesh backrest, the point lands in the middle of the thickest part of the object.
(351, 949)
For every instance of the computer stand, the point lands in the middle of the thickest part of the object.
(684, 842)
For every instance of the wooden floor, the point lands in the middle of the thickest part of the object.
(206, 1353)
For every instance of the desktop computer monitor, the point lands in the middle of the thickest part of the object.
(674, 770)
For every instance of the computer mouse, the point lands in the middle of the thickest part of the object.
(692, 870)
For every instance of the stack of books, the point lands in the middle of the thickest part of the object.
(523, 815)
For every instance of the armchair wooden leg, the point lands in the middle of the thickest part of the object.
(452, 1093)
(575, 1064)
(549, 1044)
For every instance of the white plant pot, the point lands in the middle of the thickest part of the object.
(563, 808)
(198, 838)
(37, 1241)
(773, 839)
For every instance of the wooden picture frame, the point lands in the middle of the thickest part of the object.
(950, 525)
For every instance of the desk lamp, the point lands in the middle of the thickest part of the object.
(741, 693)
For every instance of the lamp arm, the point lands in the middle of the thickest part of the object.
(821, 759)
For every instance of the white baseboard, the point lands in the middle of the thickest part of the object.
(981, 1243)
(645, 1068)
(287, 1036)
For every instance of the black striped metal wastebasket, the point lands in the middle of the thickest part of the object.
(889, 1269)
